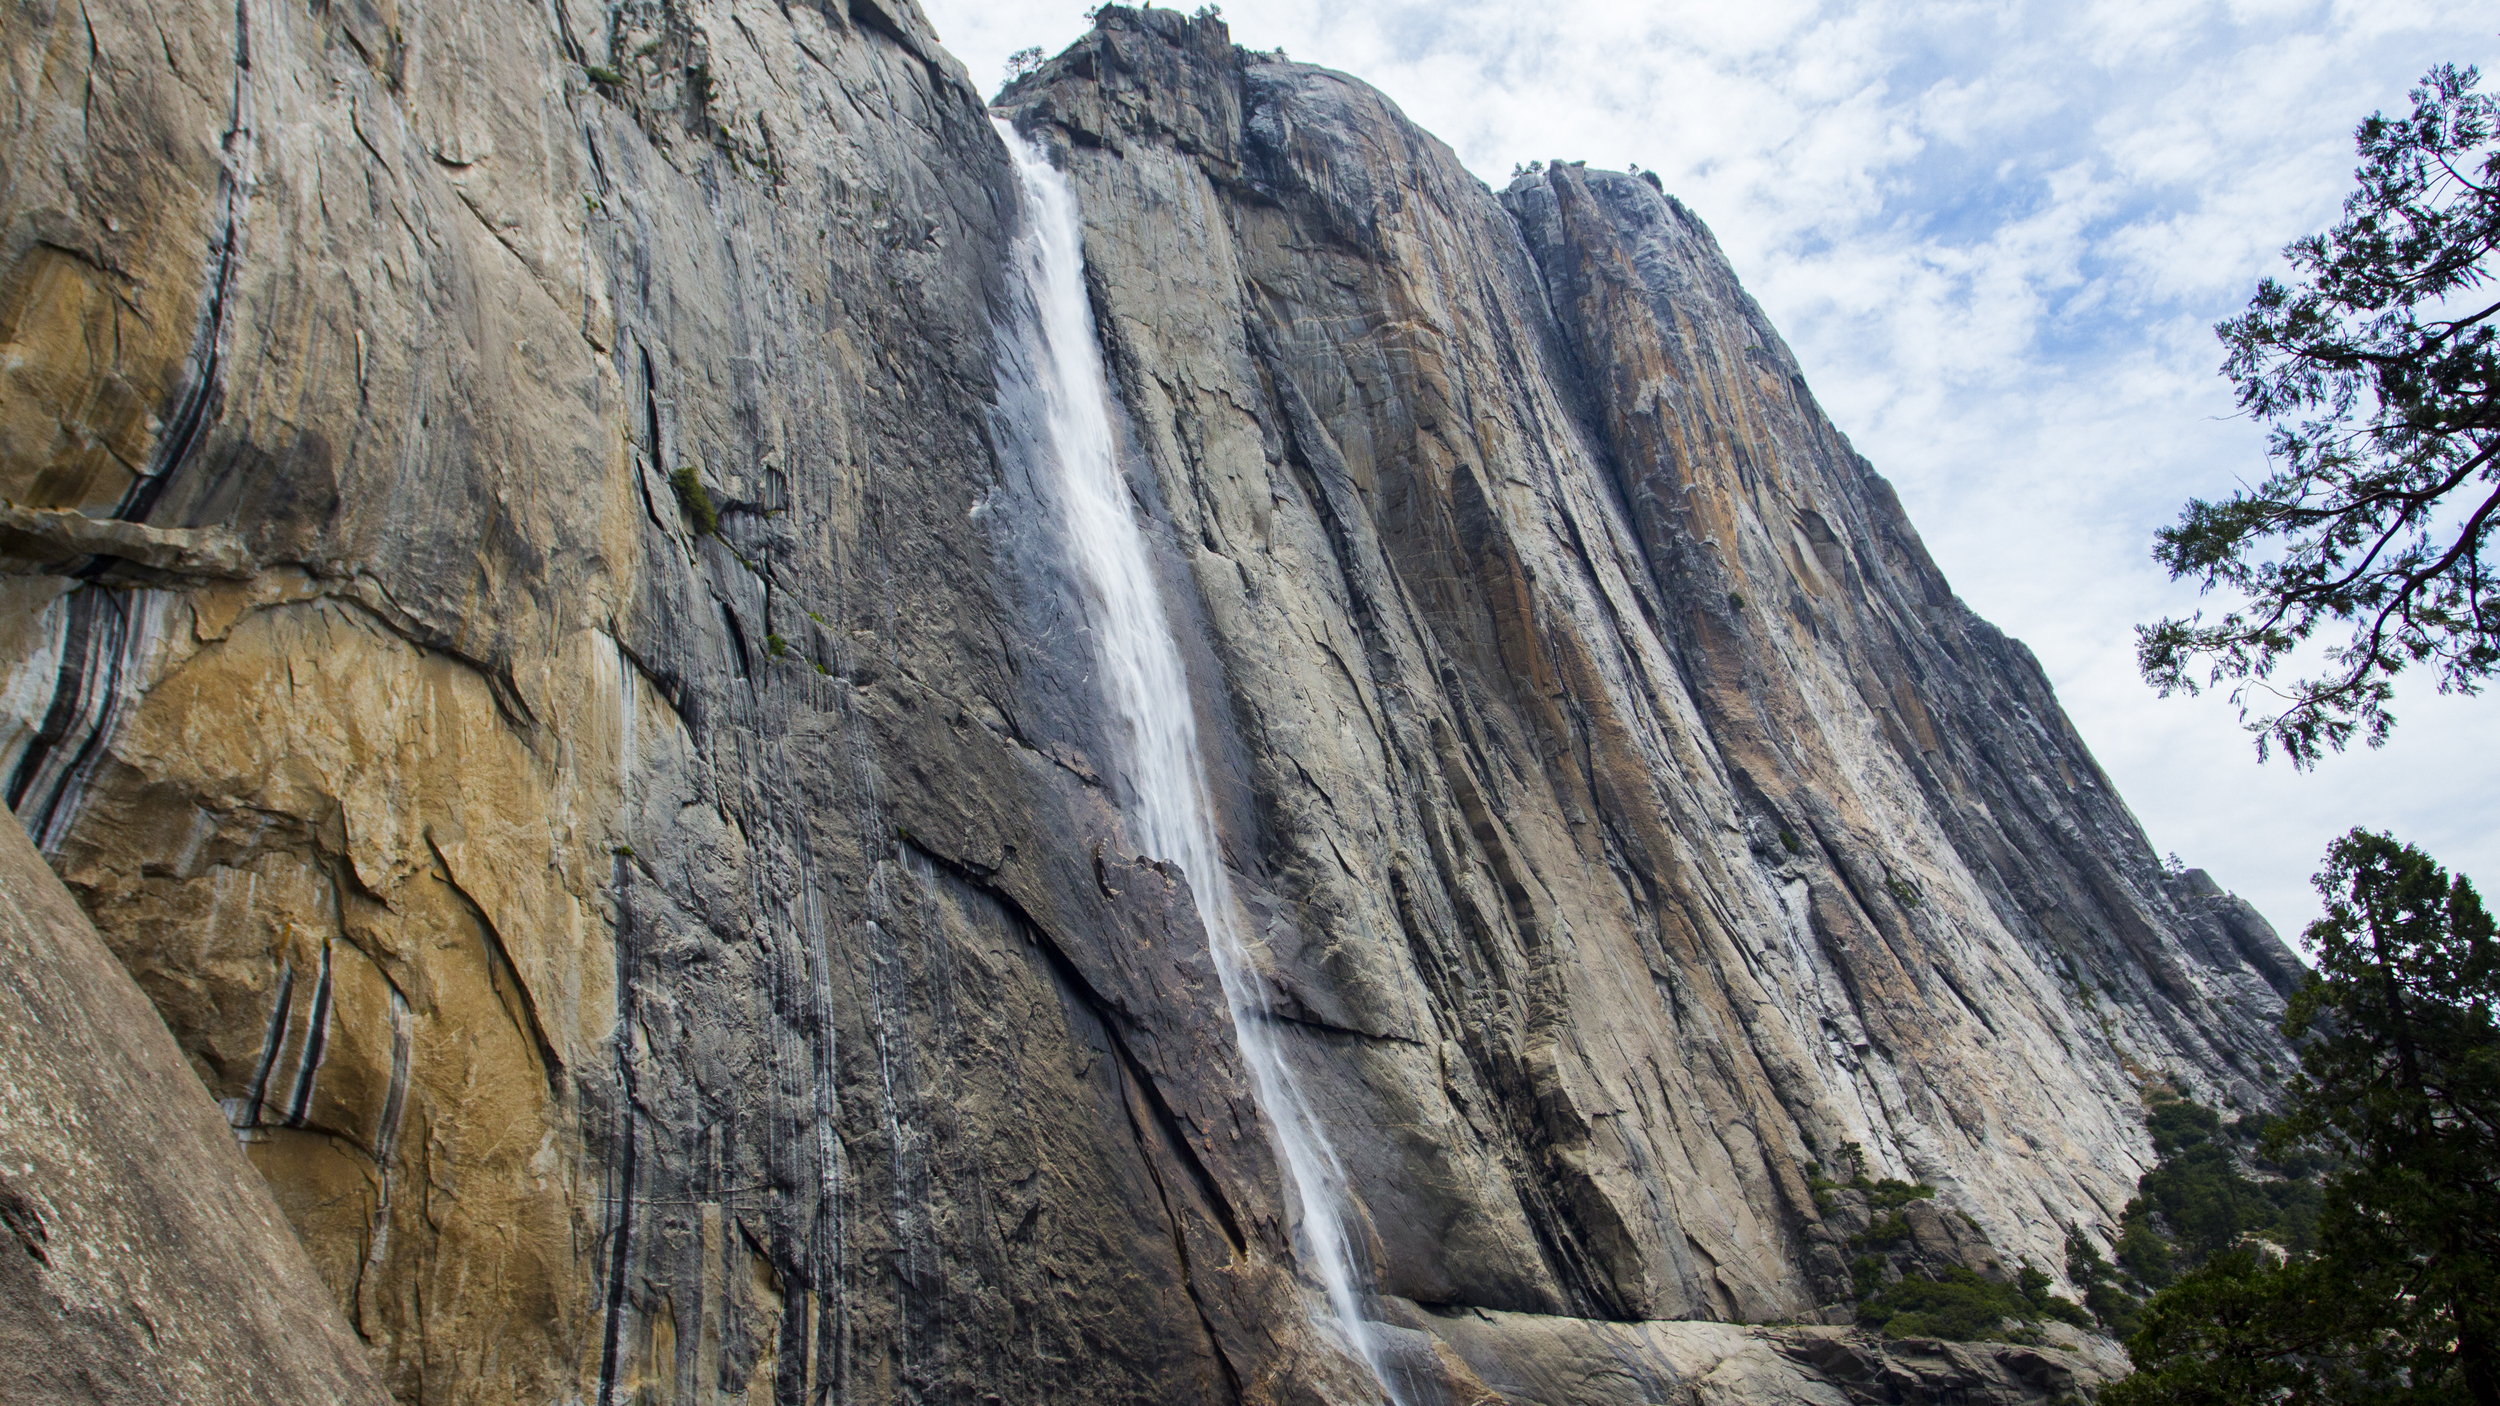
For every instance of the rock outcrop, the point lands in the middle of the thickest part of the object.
(141, 1258)
(1580, 1362)
(524, 634)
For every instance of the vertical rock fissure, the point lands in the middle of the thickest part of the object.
(87, 693)
(622, 1159)
(244, 1113)
(1131, 1078)
(1528, 1160)
(199, 405)
(316, 1045)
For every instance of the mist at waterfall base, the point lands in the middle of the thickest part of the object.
(1054, 361)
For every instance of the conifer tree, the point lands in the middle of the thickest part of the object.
(2377, 369)
(2400, 1086)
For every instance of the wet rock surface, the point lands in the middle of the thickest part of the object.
(558, 694)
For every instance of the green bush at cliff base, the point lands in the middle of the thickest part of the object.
(2104, 1288)
(1965, 1307)
(2035, 1291)
(2398, 1303)
(2195, 1203)
(2240, 1331)
(1960, 1304)
(2203, 1202)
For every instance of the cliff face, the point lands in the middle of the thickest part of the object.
(141, 1258)
(1631, 785)
(528, 635)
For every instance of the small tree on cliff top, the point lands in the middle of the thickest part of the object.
(2376, 370)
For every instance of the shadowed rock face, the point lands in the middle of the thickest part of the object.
(650, 962)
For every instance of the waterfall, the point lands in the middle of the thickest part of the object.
(1147, 691)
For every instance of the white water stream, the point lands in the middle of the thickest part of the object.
(1147, 689)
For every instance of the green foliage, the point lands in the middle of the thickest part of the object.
(2118, 1312)
(1887, 1194)
(775, 645)
(1790, 843)
(2177, 1124)
(1958, 1303)
(604, 76)
(2402, 1063)
(692, 497)
(2377, 371)
(2145, 1251)
(1024, 63)
(2034, 1286)
(2400, 1082)
(1963, 1306)
(1902, 890)
(2104, 1289)
(1886, 1232)
(2203, 1198)
(2400, 1088)
(2195, 1203)
(1853, 1161)
(2239, 1331)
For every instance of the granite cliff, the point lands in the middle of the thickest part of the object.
(531, 635)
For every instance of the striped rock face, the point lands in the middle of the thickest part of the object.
(542, 625)
(141, 1257)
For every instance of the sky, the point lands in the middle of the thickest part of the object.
(1997, 236)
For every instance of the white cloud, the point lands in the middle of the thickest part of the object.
(1997, 232)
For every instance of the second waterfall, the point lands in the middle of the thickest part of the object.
(1146, 689)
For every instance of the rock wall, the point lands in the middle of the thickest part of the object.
(1646, 814)
(523, 635)
(141, 1258)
